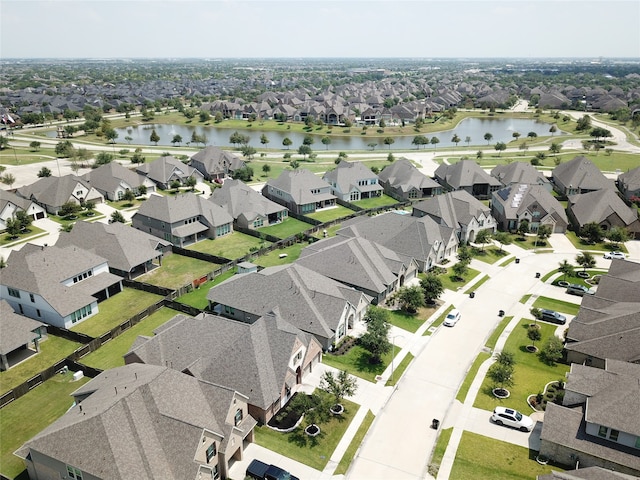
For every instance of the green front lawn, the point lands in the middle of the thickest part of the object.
(529, 242)
(505, 462)
(530, 373)
(438, 452)
(579, 280)
(478, 284)
(177, 271)
(489, 254)
(31, 233)
(410, 322)
(495, 335)
(557, 305)
(287, 228)
(373, 202)
(312, 451)
(600, 246)
(356, 362)
(398, 370)
(115, 310)
(198, 297)
(347, 458)
(438, 321)
(28, 415)
(329, 214)
(272, 258)
(111, 354)
(232, 246)
(450, 282)
(52, 350)
(471, 375)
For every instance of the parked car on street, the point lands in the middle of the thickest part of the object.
(580, 290)
(512, 418)
(261, 471)
(553, 317)
(619, 255)
(452, 318)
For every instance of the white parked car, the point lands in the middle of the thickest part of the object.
(452, 318)
(619, 255)
(512, 418)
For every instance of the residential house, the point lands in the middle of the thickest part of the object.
(605, 208)
(519, 173)
(301, 191)
(458, 210)
(59, 286)
(306, 299)
(216, 164)
(579, 175)
(422, 239)
(266, 360)
(353, 181)
(145, 422)
(403, 181)
(19, 336)
(10, 203)
(129, 252)
(53, 192)
(182, 219)
(165, 170)
(533, 203)
(598, 422)
(113, 180)
(629, 184)
(359, 263)
(468, 176)
(248, 207)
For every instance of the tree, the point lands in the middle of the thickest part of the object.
(552, 350)
(599, 133)
(204, 116)
(102, 158)
(523, 228)
(64, 149)
(175, 184)
(128, 196)
(4, 142)
(304, 150)
(434, 141)
(479, 154)
(464, 255)
(264, 140)
(338, 386)
(524, 146)
(13, 228)
(266, 168)
(585, 260)
(565, 268)
(459, 270)
(295, 164)
(584, 123)
(500, 147)
(553, 129)
(592, 232)
(391, 158)
(432, 288)
(69, 210)
(24, 219)
(501, 375)
(536, 313)
(308, 140)
(137, 156)
(116, 216)
(177, 138)
(516, 135)
(455, 139)
(388, 141)
(142, 190)
(488, 136)
(617, 235)
(419, 140)
(287, 142)
(191, 182)
(467, 139)
(248, 152)
(502, 238)
(326, 141)
(544, 232)
(554, 148)
(372, 145)
(376, 338)
(35, 145)
(245, 174)
(313, 407)
(532, 135)
(44, 172)
(8, 179)
(483, 237)
(410, 298)
(154, 137)
(534, 334)
(128, 139)
(111, 135)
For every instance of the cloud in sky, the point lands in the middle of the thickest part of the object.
(311, 28)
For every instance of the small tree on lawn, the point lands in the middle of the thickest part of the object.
(592, 232)
(552, 350)
(459, 270)
(585, 260)
(314, 408)
(544, 232)
(537, 314)
(501, 375)
(565, 268)
(116, 216)
(523, 228)
(175, 184)
(464, 254)
(69, 209)
(502, 238)
(338, 386)
(617, 235)
(376, 339)
(533, 332)
(483, 237)
(432, 288)
(410, 298)
(191, 182)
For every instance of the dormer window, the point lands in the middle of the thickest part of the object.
(211, 452)
(238, 417)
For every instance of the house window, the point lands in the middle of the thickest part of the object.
(223, 229)
(211, 451)
(32, 298)
(229, 310)
(613, 435)
(258, 222)
(238, 417)
(216, 473)
(74, 473)
(38, 312)
(637, 442)
(602, 431)
(13, 292)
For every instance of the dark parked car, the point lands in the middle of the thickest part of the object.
(261, 471)
(553, 317)
(580, 290)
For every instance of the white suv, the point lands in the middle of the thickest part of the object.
(512, 418)
(452, 318)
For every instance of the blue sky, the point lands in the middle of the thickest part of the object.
(310, 28)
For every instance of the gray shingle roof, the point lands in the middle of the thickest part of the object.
(404, 175)
(518, 172)
(214, 160)
(164, 169)
(631, 179)
(519, 198)
(347, 176)
(454, 209)
(107, 178)
(239, 199)
(599, 205)
(180, 207)
(15, 330)
(299, 183)
(580, 172)
(56, 191)
(464, 173)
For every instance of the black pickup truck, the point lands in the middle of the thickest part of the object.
(261, 471)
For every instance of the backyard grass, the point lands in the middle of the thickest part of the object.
(450, 282)
(272, 258)
(41, 406)
(438, 451)
(410, 322)
(506, 461)
(177, 271)
(110, 355)
(581, 244)
(356, 362)
(557, 305)
(333, 213)
(198, 297)
(471, 375)
(530, 373)
(488, 254)
(312, 451)
(398, 370)
(232, 246)
(331, 231)
(351, 450)
(478, 284)
(287, 228)
(52, 350)
(115, 310)
(381, 201)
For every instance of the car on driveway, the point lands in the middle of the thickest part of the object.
(580, 290)
(258, 470)
(618, 255)
(452, 318)
(512, 418)
(553, 316)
